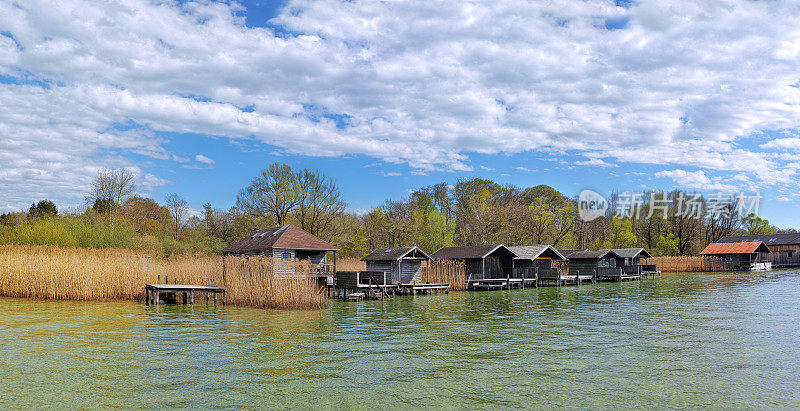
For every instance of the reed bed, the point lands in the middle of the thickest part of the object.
(689, 263)
(58, 273)
(448, 271)
(350, 264)
(263, 282)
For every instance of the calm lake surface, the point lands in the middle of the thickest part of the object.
(682, 340)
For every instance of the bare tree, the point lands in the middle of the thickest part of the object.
(272, 195)
(113, 187)
(319, 203)
(179, 210)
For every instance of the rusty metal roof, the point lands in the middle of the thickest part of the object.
(747, 247)
(287, 236)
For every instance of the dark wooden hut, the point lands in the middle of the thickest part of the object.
(784, 247)
(632, 256)
(482, 261)
(747, 255)
(539, 255)
(402, 265)
(286, 243)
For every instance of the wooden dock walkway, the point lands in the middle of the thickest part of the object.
(154, 292)
(423, 288)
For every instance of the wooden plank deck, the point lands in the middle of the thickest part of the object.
(423, 288)
(154, 292)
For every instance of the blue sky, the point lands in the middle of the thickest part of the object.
(197, 97)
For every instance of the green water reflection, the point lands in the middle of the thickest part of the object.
(686, 340)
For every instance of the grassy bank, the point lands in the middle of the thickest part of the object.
(98, 274)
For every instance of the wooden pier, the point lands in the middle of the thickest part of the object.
(423, 288)
(170, 292)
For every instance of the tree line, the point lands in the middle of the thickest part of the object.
(470, 212)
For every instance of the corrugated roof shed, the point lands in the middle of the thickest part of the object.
(532, 252)
(735, 248)
(768, 239)
(595, 254)
(470, 251)
(391, 253)
(566, 253)
(631, 252)
(287, 236)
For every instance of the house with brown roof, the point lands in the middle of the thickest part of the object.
(482, 261)
(402, 265)
(286, 243)
(747, 255)
(784, 247)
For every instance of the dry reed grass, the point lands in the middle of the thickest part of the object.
(688, 263)
(448, 271)
(350, 264)
(58, 273)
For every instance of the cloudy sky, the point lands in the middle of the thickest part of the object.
(387, 96)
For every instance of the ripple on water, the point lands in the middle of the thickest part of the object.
(685, 340)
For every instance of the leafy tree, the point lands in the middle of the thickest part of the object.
(666, 245)
(756, 225)
(43, 209)
(104, 206)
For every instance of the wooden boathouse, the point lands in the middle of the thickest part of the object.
(536, 262)
(603, 265)
(745, 256)
(482, 261)
(637, 259)
(784, 247)
(286, 243)
(403, 265)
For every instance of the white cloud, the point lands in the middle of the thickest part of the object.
(790, 143)
(693, 180)
(421, 83)
(203, 159)
(525, 169)
(596, 162)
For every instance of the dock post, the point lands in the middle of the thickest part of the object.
(146, 296)
(214, 296)
(191, 297)
(158, 297)
(223, 297)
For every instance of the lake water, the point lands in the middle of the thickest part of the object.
(682, 340)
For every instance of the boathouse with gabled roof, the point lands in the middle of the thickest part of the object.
(482, 261)
(747, 255)
(784, 247)
(632, 256)
(592, 259)
(286, 243)
(402, 265)
(535, 256)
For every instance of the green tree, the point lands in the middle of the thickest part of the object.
(756, 225)
(43, 209)
(621, 235)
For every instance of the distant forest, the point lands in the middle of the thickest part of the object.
(473, 211)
